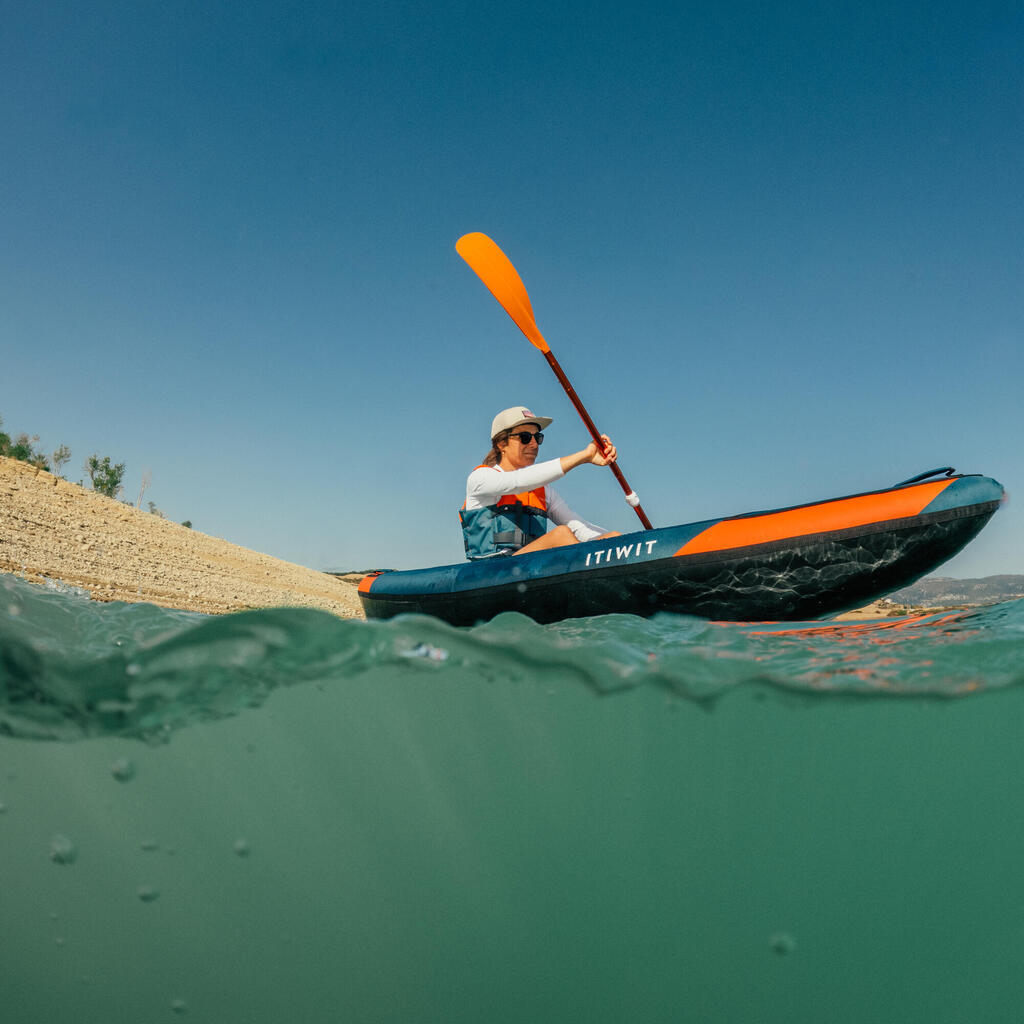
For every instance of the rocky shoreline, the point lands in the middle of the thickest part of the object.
(51, 529)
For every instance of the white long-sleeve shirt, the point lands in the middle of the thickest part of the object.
(488, 483)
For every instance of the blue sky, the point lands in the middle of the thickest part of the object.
(777, 249)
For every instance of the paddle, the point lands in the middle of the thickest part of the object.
(495, 269)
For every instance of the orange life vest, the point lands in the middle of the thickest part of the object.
(512, 522)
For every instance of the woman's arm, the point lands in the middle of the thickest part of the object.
(487, 483)
(560, 514)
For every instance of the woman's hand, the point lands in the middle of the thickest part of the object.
(591, 454)
(599, 457)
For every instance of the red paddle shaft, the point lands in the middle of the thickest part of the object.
(596, 435)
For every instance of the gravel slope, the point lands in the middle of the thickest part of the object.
(52, 529)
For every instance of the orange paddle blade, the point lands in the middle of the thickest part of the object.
(495, 269)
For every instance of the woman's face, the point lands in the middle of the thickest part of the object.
(519, 455)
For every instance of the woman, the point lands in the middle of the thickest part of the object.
(508, 501)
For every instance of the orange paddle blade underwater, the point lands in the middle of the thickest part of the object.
(495, 269)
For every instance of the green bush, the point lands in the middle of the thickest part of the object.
(22, 448)
(106, 479)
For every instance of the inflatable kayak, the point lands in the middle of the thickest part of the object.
(786, 564)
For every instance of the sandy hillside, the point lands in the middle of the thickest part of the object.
(52, 529)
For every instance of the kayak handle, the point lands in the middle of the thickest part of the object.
(945, 470)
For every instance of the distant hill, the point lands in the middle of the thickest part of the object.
(942, 591)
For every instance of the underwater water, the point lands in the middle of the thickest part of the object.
(282, 816)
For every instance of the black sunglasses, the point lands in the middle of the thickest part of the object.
(525, 437)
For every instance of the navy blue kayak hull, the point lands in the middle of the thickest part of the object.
(787, 564)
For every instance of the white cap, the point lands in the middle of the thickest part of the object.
(508, 419)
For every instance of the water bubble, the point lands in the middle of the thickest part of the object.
(520, 588)
(60, 941)
(133, 668)
(147, 893)
(3, 808)
(123, 770)
(782, 943)
(428, 651)
(241, 847)
(62, 850)
(149, 845)
(179, 1005)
